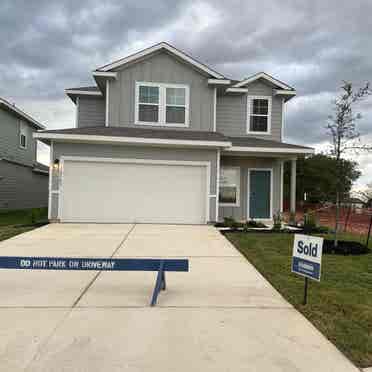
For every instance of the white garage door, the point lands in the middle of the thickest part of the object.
(97, 191)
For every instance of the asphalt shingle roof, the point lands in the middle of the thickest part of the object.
(144, 133)
(258, 142)
(175, 134)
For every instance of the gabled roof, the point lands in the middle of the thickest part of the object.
(169, 48)
(19, 113)
(263, 75)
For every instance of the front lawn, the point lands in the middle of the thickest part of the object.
(340, 306)
(16, 222)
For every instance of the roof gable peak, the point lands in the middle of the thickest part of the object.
(265, 76)
(157, 47)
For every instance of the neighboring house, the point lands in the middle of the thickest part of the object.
(23, 181)
(163, 138)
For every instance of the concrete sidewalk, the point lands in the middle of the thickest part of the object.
(221, 316)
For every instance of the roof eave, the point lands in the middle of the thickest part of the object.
(270, 150)
(159, 142)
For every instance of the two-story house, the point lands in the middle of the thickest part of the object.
(163, 138)
(23, 181)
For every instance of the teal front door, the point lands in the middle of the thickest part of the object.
(259, 193)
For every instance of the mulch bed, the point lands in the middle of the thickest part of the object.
(344, 248)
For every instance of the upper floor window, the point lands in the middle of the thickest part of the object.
(162, 104)
(259, 115)
(22, 135)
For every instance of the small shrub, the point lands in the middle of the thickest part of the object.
(232, 224)
(277, 221)
(256, 224)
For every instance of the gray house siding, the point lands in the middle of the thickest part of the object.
(9, 140)
(231, 112)
(21, 188)
(134, 152)
(160, 68)
(240, 212)
(91, 112)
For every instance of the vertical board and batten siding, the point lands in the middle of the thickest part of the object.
(231, 112)
(9, 140)
(134, 152)
(91, 112)
(21, 188)
(240, 212)
(161, 68)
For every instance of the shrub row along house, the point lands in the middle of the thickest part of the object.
(163, 138)
(23, 181)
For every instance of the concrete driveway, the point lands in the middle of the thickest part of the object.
(221, 316)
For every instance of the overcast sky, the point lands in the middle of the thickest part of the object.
(47, 46)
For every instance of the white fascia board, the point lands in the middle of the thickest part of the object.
(276, 150)
(283, 92)
(263, 76)
(112, 75)
(155, 48)
(83, 92)
(219, 82)
(237, 90)
(129, 140)
(22, 114)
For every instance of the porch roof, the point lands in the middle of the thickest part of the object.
(253, 144)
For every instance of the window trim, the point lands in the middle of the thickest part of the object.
(237, 204)
(162, 104)
(269, 107)
(22, 132)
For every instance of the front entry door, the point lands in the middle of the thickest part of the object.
(259, 193)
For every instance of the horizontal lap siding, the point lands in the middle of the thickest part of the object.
(231, 112)
(91, 112)
(21, 188)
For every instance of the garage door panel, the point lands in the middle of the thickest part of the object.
(132, 192)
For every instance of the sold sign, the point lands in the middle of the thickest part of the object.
(307, 256)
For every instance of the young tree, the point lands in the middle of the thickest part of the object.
(341, 127)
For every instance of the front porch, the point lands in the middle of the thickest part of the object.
(251, 188)
(251, 179)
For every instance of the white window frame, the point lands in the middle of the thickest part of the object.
(162, 104)
(269, 107)
(237, 204)
(22, 132)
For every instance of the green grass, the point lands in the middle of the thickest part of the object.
(17, 222)
(340, 306)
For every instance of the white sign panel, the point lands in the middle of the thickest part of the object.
(307, 256)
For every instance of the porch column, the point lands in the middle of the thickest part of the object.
(293, 186)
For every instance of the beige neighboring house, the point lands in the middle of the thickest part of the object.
(164, 138)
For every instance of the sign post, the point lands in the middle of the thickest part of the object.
(307, 258)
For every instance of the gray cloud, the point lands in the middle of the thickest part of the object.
(48, 46)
